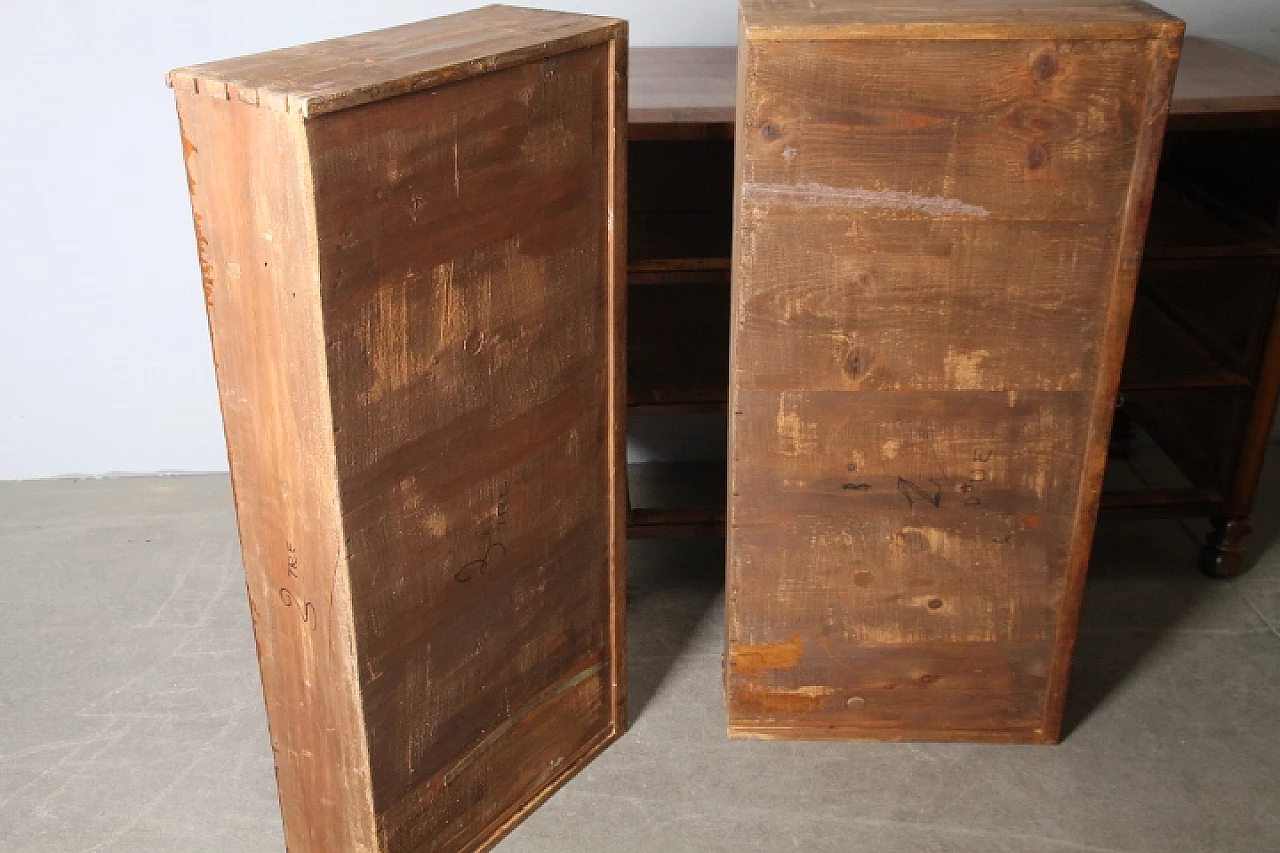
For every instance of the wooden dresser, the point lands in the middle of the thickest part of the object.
(1203, 368)
(411, 249)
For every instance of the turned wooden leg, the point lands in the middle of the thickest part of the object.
(1223, 552)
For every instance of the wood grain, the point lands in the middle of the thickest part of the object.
(326, 76)
(417, 312)
(690, 92)
(788, 20)
(937, 240)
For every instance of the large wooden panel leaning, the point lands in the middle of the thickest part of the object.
(412, 250)
(940, 216)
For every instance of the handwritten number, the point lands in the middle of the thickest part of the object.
(306, 608)
(477, 567)
(492, 548)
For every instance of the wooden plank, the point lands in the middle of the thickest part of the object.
(1216, 79)
(682, 92)
(787, 20)
(273, 384)
(1161, 503)
(937, 240)
(689, 92)
(417, 313)
(318, 78)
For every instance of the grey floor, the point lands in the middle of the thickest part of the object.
(131, 716)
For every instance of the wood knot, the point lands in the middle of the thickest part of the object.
(1037, 157)
(1045, 66)
(928, 678)
(935, 604)
(770, 132)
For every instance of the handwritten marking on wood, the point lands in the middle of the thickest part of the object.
(493, 548)
(306, 610)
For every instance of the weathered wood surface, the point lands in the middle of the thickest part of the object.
(963, 19)
(416, 312)
(314, 79)
(690, 92)
(936, 250)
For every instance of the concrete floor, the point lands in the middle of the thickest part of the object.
(131, 716)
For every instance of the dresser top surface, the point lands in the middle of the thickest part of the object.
(326, 76)
(953, 19)
(697, 85)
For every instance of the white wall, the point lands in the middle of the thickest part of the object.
(104, 355)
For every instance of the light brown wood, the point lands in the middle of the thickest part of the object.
(939, 222)
(416, 308)
(689, 92)
(318, 78)
(789, 20)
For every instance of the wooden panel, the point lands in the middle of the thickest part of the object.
(1224, 86)
(936, 250)
(418, 330)
(764, 20)
(246, 169)
(688, 92)
(327, 76)
(681, 92)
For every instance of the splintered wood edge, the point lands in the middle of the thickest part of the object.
(190, 78)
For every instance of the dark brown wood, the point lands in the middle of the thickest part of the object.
(1162, 503)
(1223, 553)
(680, 523)
(682, 93)
(413, 255)
(940, 218)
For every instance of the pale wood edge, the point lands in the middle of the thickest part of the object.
(616, 285)
(765, 731)
(310, 106)
(316, 467)
(1124, 282)
(746, 53)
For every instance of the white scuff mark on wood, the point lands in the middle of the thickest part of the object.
(964, 369)
(821, 195)
(788, 153)
(797, 437)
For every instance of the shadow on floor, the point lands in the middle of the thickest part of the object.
(675, 607)
(1143, 582)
